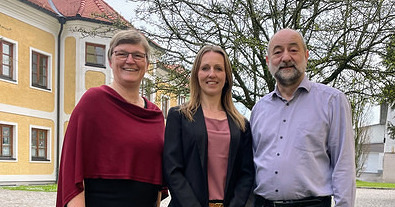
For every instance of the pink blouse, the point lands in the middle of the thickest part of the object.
(218, 152)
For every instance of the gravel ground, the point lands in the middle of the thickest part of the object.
(375, 198)
(15, 198)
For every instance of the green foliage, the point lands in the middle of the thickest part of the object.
(389, 56)
(344, 39)
(391, 130)
(388, 92)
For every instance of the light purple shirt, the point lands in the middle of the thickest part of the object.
(304, 147)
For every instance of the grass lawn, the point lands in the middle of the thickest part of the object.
(42, 188)
(375, 185)
(52, 187)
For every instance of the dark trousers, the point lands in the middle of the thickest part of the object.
(119, 193)
(325, 201)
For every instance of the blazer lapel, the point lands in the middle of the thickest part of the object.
(202, 142)
(233, 146)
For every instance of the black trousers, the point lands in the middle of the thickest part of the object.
(120, 193)
(325, 201)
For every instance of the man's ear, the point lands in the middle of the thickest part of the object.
(307, 54)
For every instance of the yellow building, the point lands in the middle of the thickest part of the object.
(47, 62)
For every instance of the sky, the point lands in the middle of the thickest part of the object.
(124, 7)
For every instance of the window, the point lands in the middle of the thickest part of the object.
(145, 89)
(95, 55)
(165, 105)
(181, 99)
(40, 70)
(39, 144)
(6, 60)
(6, 138)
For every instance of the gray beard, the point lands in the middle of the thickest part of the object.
(288, 81)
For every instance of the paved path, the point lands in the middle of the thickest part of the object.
(375, 198)
(15, 198)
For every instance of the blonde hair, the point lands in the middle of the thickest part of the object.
(190, 108)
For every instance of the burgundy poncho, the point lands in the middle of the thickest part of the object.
(110, 138)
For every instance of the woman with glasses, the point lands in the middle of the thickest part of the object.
(207, 158)
(112, 150)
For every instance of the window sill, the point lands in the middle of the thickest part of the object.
(41, 87)
(40, 159)
(7, 78)
(95, 65)
(7, 158)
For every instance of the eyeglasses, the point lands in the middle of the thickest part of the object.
(122, 55)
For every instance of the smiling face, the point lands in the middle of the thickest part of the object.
(211, 74)
(287, 57)
(129, 68)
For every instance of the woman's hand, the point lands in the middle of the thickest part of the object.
(77, 201)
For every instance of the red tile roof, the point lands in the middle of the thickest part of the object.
(43, 4)
(85, 9)
(89, 9)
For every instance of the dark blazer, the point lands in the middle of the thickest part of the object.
(185, 161)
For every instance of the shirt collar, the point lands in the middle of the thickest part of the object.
(306, 85)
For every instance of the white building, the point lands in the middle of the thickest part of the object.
(380, 161)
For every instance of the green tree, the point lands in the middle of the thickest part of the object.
(389, 89)
(345, 39)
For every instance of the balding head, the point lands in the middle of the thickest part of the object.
(281, 33)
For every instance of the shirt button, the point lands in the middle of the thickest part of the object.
(287, 104)
(276, 190)
(284, 120)
(281, 137)
(278, 154)
(276, 172)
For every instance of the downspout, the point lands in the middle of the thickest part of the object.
(62, 20)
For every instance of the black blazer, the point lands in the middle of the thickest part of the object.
(185, 161)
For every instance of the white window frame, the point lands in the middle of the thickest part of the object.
(49, 76)
(14, 141)
(14, 61)
(165, 113)
(96, 65)
(181, 99)
(49, 149)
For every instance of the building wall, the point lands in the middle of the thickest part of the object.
(390, 143)
(380, 164)
(22, 105)
(69, 74)
(377, 133)
(94, 79)
(25, 107)
(389, 168)
(22, 94)
(373, 163)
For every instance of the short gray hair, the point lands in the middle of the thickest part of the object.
(131, 36)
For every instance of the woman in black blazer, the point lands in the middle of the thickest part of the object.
(207, 158)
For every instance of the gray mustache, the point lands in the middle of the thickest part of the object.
(288, 64)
